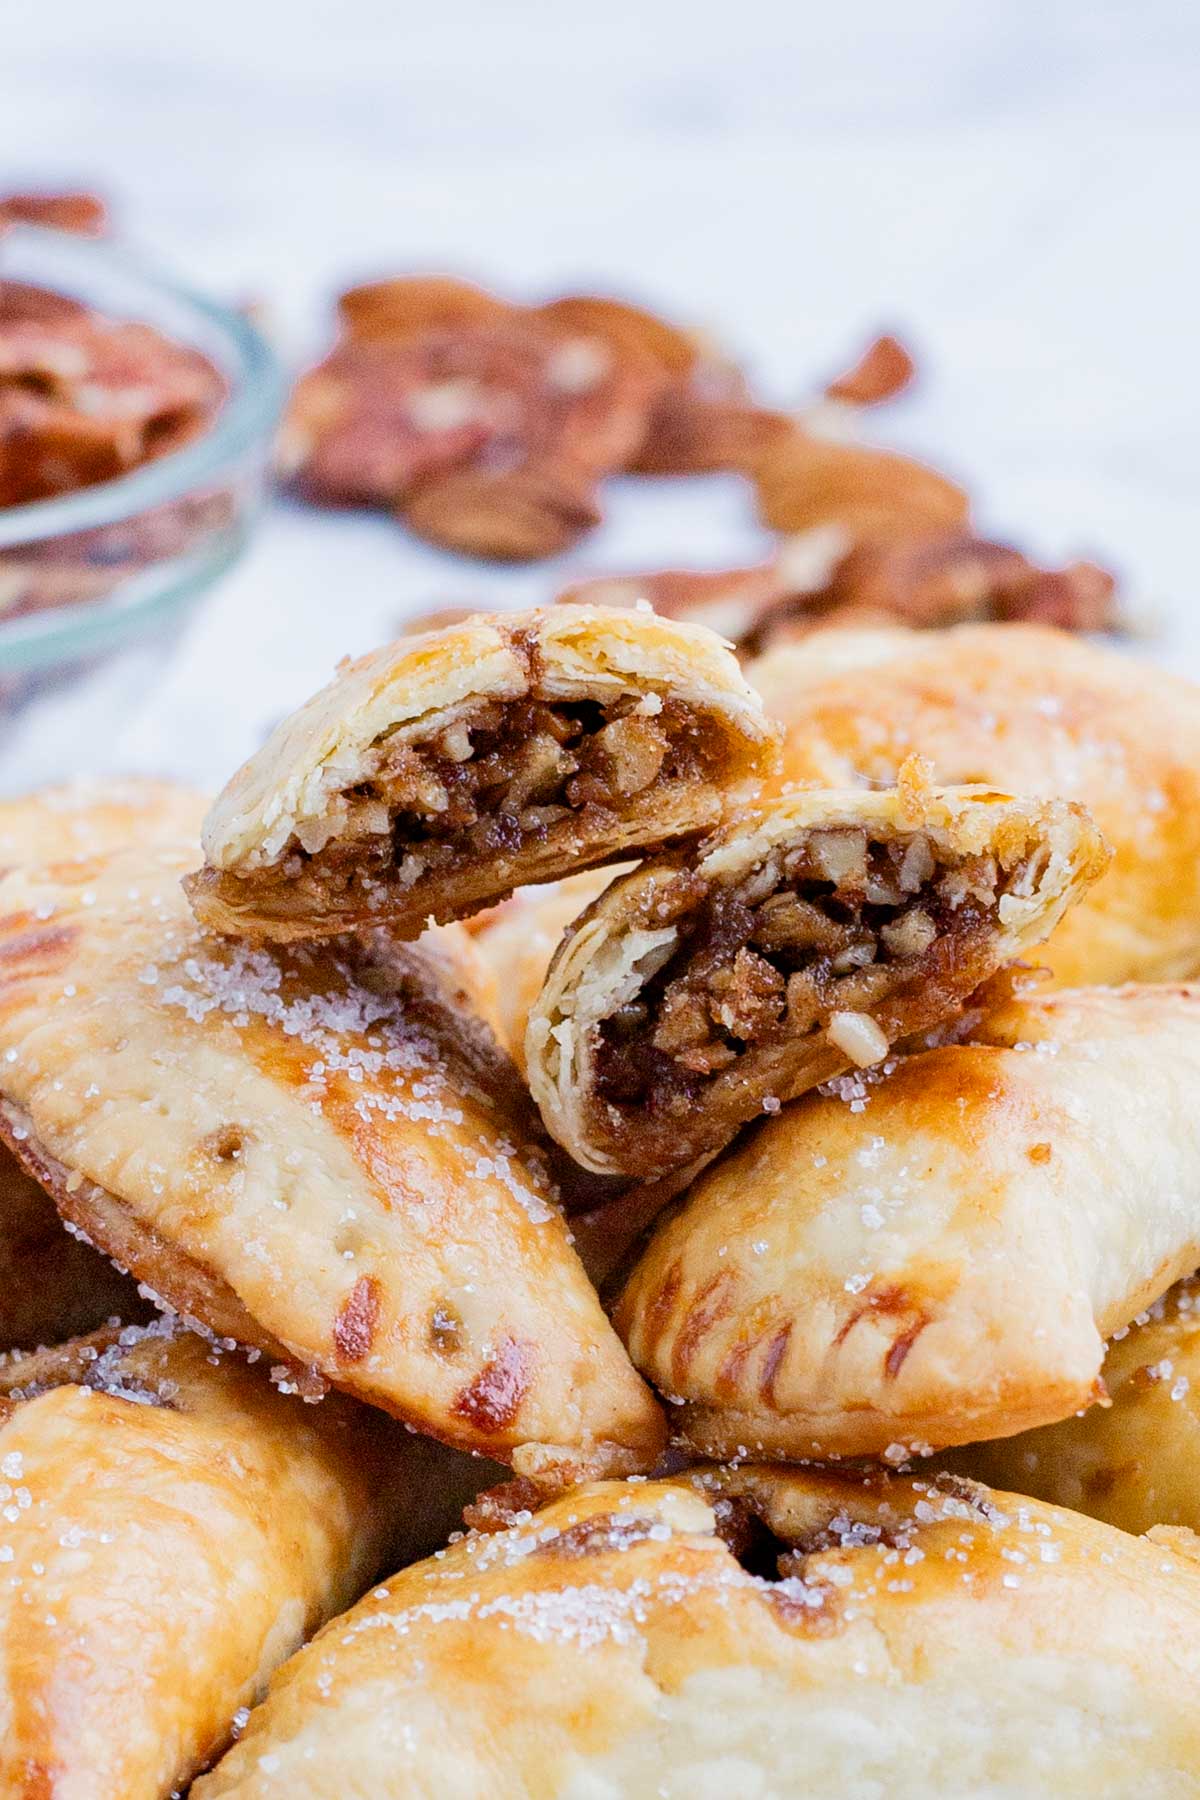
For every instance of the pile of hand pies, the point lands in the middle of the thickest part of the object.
(732, 1129)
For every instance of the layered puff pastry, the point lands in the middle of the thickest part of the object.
(325, 1157)
(937, 1255)
(711, 985)
(1134, 1460)
(172, 1528)
(433, 777)
(756, 1633)
(53, 1286)
(1039, 712)
(517, 943)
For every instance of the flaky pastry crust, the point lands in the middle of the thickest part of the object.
(938, 1256)
(1039, 712)
(324, 1156)
(435, 776)
(174, 1528)
(52, 1285)
(905, 1637)
(711, 984)
(518, 942)
(1134, 1461)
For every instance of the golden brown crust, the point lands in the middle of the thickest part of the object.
(53, 1285)
(1133, 1460)
(935, 1257)
(88, 817)
(364, 808)
(323, 1155)
(905, 1637)
(1038, 712)
(914, 897)
(174, 1528)
(183, 1284)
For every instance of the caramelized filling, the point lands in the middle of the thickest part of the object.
(834, 925)
(504, 778)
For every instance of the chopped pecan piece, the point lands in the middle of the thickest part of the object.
(392, 310)
(84, 398)
(805, 481)
(487, 434)
(84, 214)
(519, 514)
(884, 370)
(932, 580)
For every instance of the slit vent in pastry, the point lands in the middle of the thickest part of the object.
(711, 985)
(752, 1632)
(936, 1256)
(322, 1155)
(172, 1529)
(436, 775)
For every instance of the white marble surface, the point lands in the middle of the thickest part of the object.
(1011, 187)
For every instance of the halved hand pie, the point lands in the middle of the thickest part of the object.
(173, 1527)
(324, 1156)
(752, 1632)
(710, 985)
(1038, 712)
(436, 775)
(1133, 1460)
(937, 1256)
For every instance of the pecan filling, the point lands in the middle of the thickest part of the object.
(513, 774)
(842, 923)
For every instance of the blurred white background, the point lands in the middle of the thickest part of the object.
(1010, 187)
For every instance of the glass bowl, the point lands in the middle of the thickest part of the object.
(121, 565)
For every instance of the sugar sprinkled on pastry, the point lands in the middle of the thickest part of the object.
(320, 1154)
(434, 776)
(171, 1528)
(752, 1632)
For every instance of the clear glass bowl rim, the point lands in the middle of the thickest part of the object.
(257, 390)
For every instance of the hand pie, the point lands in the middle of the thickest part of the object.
(518, 943)
(1038, 712)
(708, 986)
(935, 1257)
(173, 1528)
(52, 1285)
(86, 818)
(752, 1632)
(1134, 1463)
(323, 1156)
(433, 777)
